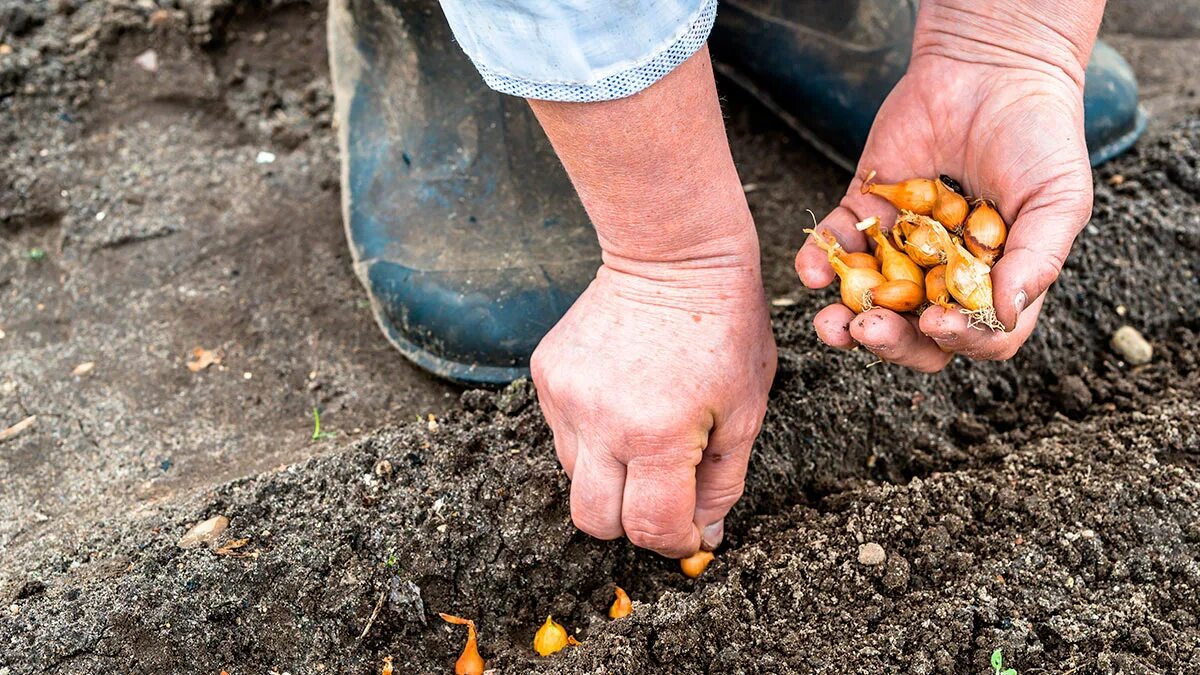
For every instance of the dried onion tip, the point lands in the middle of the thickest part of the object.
(855, 281)
(469, 662)
(893, 263)
(830, 245)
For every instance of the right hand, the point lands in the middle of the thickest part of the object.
(655, 385)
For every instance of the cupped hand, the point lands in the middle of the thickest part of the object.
(655, 384)
(1009, 133)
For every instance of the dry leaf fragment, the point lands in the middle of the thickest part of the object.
(231, 547)
(202, 358)
(17, 428)
(83, 368)
(204, 532)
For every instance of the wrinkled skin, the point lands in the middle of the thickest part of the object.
(656, 394)
(1010, 130)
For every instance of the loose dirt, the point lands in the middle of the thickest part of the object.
(1048, 506)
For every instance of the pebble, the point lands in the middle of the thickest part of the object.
(147, 61)
(205, 532)
(1130, 344)
(871, 553)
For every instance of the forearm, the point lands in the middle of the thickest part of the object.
(655, 174)
(1047, 34)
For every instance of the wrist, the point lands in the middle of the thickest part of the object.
(1046, 36)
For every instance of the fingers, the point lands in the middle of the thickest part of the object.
(951, 330)
(597, 491)
(720, 480)
(833, 326)
(1037, 248)
(897, 339)
(660, 502)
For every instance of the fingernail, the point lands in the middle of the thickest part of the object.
(711, 538)
(1019, 301)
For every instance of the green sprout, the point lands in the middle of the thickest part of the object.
(317, 433)
(998, 664)
(391, 561)
(36, 253)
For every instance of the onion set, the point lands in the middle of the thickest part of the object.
(940, 251)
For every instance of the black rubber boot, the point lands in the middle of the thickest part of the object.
(826, 67)
(463, 225)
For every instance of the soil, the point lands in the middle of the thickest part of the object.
(1048, 506)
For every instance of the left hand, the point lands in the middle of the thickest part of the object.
(1010, 129)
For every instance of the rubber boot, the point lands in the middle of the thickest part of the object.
(826, 67)
(463, 226)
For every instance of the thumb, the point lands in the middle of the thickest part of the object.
(720, 480)
(1036, 250)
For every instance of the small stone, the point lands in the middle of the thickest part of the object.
(147, 61)
(204, 533)
(871, 553)
(1130, 344)
(159, 18)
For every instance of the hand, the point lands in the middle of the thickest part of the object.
(655, 384)
(1007, 126)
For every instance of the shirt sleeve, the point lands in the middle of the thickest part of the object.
(578, 50)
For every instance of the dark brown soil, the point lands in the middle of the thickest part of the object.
(1048, 506)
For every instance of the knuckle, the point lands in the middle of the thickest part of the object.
(589, 517)
(722, 497)
(655, 536)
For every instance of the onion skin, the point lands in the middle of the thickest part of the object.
(622, 606)
(935, 287)
(860, 260)
(894, 264)
(969, 281)
(855, 282)
(695, 564)
(951, 208)
(550, 638)
(916, 194)
(898, 295)
(984, 233)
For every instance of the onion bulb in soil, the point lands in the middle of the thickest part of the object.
(469, 662)
(969, 282)
(919, 241)
(951, 207)
(898, 295)
(622, 606)
(551, 638)
(935, 287)
(695, 564)
(893, 264)
(915, 194)
(984, 233)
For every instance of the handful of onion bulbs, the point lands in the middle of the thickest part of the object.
(940, 252)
